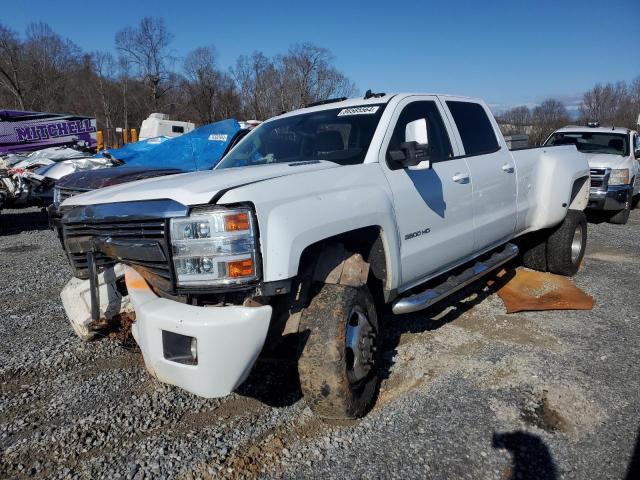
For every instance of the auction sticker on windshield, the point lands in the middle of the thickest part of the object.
(365, 110)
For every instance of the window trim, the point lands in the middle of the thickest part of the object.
(488, 152)
(499, 146)
(394, 122)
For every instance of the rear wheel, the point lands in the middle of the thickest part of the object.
(339, 360)
(534, 251)
(567, 243)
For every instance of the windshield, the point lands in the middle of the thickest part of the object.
(340, 135)
(593, 142)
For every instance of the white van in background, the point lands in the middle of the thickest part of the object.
(159, 125)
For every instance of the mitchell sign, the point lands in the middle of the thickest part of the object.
(53, 130)
(27, 131)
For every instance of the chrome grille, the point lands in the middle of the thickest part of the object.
(136, 243)
(599, 178)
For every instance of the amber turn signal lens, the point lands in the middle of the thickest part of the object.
(241, 268)
(236, 222)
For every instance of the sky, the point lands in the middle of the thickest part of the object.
(507, 52)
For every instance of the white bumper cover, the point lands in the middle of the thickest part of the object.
(229, 339)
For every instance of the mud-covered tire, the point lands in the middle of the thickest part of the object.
(563, 258)
(621, 217)
(533, 249)
(326, 365)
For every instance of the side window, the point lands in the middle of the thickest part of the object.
(438, 136)
(474, 126)
(177, 129)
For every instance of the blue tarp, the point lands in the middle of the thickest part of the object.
(200, 149)
(132, 150)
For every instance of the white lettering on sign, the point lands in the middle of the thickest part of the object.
(365, 110)
(218, 137)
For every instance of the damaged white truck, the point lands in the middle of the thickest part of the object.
(315, 219)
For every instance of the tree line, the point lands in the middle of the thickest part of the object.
(42, 71)
(614, 104)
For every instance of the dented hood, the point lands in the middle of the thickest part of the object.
(100, 178)
(607, 160)
(193, 188)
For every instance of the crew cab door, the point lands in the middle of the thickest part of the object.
(492, 168)
(432, 205)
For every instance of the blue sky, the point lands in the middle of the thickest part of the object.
(507, 52)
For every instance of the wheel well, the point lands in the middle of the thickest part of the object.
(366, 241)
(579, 194)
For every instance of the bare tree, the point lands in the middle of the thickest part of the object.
(51, 63)
(259, 83)
(304, 75)
(516, 120)
(202, 83)
(11, 65)
(308, 76)
(104, 67)
(146, 48)
(547, 117)
(603, 103)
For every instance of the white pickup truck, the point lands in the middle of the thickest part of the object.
(613, 154)
(313, 219)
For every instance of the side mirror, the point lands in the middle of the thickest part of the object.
(637, 153)
(414, 151)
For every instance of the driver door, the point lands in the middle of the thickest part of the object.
(433, 206)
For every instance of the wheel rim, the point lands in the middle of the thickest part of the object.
(359, 343)
(576, 245)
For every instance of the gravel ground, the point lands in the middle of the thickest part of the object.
(470, 392)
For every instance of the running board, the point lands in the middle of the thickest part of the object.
(427, 298)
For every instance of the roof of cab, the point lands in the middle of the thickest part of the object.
(361, 101)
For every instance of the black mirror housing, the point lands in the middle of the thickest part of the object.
(410, 154)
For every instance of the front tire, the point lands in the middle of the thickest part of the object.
(567, 243)
(622, 217)
(338, 366)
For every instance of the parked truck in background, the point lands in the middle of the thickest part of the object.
(614, 159)
(309, 224)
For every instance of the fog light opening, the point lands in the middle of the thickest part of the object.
(180, 348)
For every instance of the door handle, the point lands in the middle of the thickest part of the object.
(460, 177)
(507, 167)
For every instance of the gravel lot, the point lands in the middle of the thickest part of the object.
(470, 391)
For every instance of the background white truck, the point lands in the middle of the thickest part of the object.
(312, 220)
(613, 154)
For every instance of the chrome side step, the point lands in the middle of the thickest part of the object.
(427, 298)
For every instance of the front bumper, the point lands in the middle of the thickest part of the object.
(613, 198)
(229, 339)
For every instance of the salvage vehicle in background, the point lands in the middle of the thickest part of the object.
(200, 149)
(308, 224)
(613, 154)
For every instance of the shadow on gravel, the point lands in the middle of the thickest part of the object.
(597, 217)
(13, 222)
(531, 458)
(633, 471)
(274, 378)
(436, 316)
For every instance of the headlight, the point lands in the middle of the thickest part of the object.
(214, 247)
(619, 176)
(56, 195)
